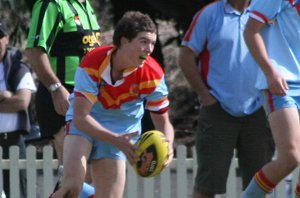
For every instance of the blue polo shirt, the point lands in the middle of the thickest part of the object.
(281, 36)
(225, 64)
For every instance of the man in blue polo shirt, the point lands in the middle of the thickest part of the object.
(231, 115)
(272, 35)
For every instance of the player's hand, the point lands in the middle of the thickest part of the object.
(277, 84)
(60, 99)
(125, 144)
(170, 155)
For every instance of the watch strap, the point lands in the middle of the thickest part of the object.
(55, 86)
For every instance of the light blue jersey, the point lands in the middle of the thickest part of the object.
(118, 106)
(282, 37)
(225, 64)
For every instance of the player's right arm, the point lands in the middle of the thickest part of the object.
(86, 93)
(86, 123)
(262, 16)
(277, 84)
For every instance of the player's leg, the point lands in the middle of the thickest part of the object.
(58, 142)
(76, 152)
(285, 129)
(297, 190)
(88, 176)
(109, 177)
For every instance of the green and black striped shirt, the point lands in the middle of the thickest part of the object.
(66, 29)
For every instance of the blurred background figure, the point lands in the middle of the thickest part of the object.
(16, 87)
(60, 34)
(272, 36)
(216, 62)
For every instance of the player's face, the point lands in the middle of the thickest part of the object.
(139, 48)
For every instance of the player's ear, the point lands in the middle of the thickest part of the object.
(124, 40)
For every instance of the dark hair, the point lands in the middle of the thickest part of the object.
(132, 23)
(4, 31)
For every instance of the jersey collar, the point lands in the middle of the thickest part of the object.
(107, 71)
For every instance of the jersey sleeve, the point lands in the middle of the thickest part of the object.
(196, 35)
(21, 78)
(45, 24)
(158, 101)
(264, 11)
(85, 85)
(27, 82)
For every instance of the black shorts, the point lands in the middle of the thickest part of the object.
(49, 121)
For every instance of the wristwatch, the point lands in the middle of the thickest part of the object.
(53, 87)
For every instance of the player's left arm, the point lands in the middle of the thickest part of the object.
(162, 123)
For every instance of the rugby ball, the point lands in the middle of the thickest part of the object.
(152, 153)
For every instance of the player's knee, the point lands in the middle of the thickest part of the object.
(290, 160)
(295, 158)
(295, 155)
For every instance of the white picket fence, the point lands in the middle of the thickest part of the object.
(175, 181)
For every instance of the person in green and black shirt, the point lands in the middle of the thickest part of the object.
(61, 33)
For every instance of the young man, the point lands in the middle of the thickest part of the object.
(61, 33)
(111, 84)
(272, 35)
(216, 62)
(16, 87)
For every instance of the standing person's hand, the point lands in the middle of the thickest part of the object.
(208, 100)
(60, 100)
(277, 84)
